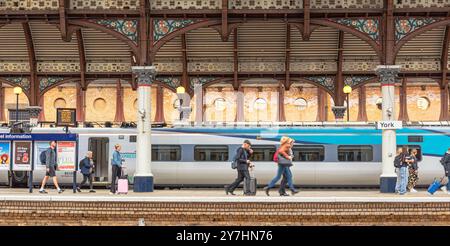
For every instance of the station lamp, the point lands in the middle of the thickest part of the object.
(347, 90)
(17, 90)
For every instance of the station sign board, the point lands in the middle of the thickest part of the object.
(5, 155)
(389, 125)
(22, 155)
(66, 117)
(66, 155)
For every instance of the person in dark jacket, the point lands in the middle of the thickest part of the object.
(243, 162)
(87, 169)
(445, 161)
(413, 172)
(51, 167)
(402, 180)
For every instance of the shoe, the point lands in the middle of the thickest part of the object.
(444, 189)
(111, 193)
(284, 194)
(267, 189)
(402, 193)
(60, 191)
(43, 192)
(78, 189)
(92, 191)
(229, 192)
(294, 191)
(413, 190)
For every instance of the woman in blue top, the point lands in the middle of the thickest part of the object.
(116, 167)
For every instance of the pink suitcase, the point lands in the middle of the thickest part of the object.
(122, 186)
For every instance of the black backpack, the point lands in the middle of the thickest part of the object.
(43, 157)
(398, 161)
(234, 162)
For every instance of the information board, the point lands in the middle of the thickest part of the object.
(22, 154)
(66, 155)
(66, 117)
(5, 155)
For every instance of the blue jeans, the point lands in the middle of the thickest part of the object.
(282, 169)
(448, 184)
(402, 181)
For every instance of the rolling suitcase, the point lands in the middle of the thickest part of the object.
(122, 184)
(253, 184)
(434, 186)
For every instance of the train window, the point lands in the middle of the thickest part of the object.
(166, 153)
(308, 152)
(417, 139)
(411, 147)
(263, 152)
(211, 153)
(133, 138)
(355, 153)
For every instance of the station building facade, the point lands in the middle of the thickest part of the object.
(289, 59)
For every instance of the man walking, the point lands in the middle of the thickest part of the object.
(243, 162)
(51, 167)
(445, 161)
(86, 168)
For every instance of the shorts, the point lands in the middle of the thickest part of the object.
(51, 172)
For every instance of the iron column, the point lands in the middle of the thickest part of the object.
(143, 177)
(388, 76)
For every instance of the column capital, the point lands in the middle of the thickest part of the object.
(339, 112)
(145, 74)
(34, 111)
(388, 73)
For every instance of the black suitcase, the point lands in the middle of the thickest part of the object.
(253, 184)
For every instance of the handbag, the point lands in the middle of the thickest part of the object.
(283, 161)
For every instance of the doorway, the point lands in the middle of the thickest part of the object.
(100, 154)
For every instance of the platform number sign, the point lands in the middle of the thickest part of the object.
(66, 117)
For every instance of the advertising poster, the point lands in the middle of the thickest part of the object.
(22, 156)
(5, 158)
(66, 155)
(39, 147)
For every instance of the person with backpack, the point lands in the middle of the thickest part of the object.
(283, 157)
(48, 157)
(445, 161)
(413, 169)
(242, 162)
(86, 166)
(401, 161)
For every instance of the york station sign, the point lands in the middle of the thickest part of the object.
(389, 125)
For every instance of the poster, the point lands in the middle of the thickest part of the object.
(39, 147)
(5, 155)
(66, 155)
(22, 156)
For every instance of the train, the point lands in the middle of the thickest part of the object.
(325, 156)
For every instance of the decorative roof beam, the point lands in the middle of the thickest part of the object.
(224, 33)
(235, 60)
(389, 35)
(34, 90)
(65, 35)
(444, 82)
(338, 93)
(184, 77)
(82, 56)
(306, 20)
(287, 82)
(143, 33)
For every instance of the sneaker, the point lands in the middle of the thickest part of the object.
(43, 192)
(293, 192)
(60, 191)
(444, 189)
(284, 194)
(92, 191)
(78, 189)
(111, 193)
(413, 190)
(267, 189)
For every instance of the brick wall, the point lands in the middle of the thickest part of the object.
(245, 213)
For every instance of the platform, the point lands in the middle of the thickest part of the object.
(213, 207)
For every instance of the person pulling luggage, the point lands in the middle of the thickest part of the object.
(242, 160)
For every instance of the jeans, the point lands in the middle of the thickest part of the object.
(448, 184)
(85, 179)
(282, 169)
(116, 173)
(402, 181)
(243, 175)
(287, 174)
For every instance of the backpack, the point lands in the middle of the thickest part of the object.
(43, 157)
(275, 156)
(398, 161)
(80, 164)
(234, 162)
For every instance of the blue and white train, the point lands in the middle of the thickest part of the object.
(325, 156)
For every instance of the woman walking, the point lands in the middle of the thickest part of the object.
(413, 172)
(284, 156)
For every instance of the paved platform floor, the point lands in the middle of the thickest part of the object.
(218, 195)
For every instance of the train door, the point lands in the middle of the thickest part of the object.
(100, 153)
